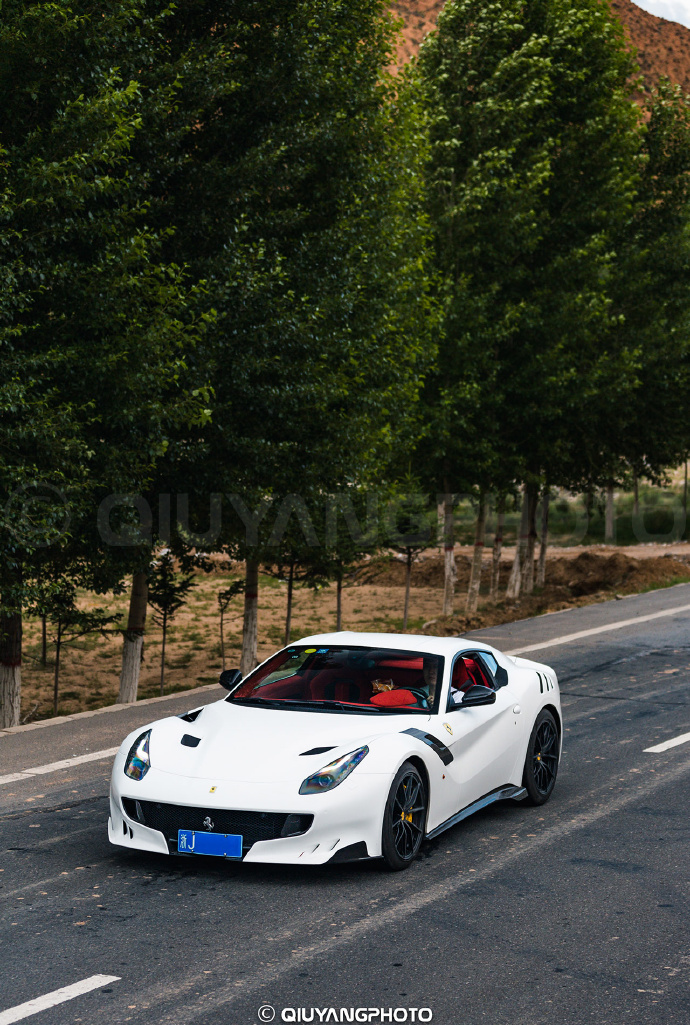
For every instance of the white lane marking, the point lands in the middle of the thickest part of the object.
(444, 892)
(668, 744)
(567, 638)
(58, 996)
(66, 763)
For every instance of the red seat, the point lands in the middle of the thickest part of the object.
(329, 685)
(461, 679)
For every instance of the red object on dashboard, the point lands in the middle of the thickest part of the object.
(394, 698)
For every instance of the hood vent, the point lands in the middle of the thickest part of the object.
(189, 741)
(317, 751)
(191, 716)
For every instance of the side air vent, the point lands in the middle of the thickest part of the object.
(189, 741)
(316, 751)
(133, 809)
(191, 716)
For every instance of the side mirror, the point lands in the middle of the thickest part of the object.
(229, 678)
(478, 696)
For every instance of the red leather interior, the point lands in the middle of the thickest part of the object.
(404, 663)
(330, 686)
(468, 673)
(475, 671)
(394, 698)
(461, 678)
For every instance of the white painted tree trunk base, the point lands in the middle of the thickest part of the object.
(513, 588)
(610, 517)
(10, 695)
(250, 645)
(131, 664)
(250, 628)
(449, 580)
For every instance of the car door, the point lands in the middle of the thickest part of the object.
(484, 740)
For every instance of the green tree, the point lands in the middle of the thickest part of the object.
(94, 326)
(168, 592)
(533, 171)
(290, 169)
(651, 432)
(57, 603)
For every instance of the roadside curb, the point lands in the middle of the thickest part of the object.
(60, 719)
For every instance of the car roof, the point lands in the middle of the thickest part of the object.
(447, 646)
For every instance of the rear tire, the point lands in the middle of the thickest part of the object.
(541, 763)
(404, 818)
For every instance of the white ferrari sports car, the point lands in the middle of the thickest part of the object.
(341, 747)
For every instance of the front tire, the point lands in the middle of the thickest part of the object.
(541, 763)
(404, 818)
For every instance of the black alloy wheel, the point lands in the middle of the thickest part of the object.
(541, 763)
(404, 819)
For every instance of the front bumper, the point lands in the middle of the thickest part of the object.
(350, 814)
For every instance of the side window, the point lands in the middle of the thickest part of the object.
(468, 671)
(499, 674)
(488, 659)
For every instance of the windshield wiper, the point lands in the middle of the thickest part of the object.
(315, 703)
(272, 702)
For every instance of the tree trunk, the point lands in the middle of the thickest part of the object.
(222, 639)
(636, 496)
(449, 571)
(498, 545)
(339, 603)
(165, 633)
(408, 575)
(528, 568)
(515, 580)
(541, 567)
(288, 611)
(10, 669)
(250, 642)
(133, 640)
(56, 673)
(610, 521)
(44, 642)
(476, 571)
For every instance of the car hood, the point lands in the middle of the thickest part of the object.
(248, 744)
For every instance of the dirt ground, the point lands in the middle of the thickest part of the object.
(372, 600)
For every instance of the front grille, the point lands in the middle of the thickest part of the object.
(252, 826)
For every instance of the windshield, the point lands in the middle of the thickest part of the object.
(375, 680)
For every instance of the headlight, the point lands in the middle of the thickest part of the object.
(334, 773)
(138, 760)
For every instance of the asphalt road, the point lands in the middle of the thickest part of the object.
(572, 913)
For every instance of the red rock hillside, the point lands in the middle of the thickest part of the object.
(663, 47)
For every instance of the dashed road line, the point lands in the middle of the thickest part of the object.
(58, 996)
(266, 975)
(569, 638)
(668, 744)
(66, 763)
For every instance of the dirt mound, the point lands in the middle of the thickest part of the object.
(663, 47)
(428, 572)
(586, 574)
(589, 573)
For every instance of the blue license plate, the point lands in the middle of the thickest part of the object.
(221, 845)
